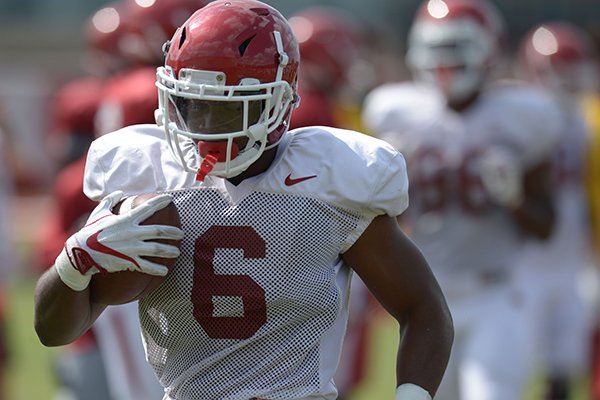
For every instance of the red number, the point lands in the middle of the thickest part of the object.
(430, 178)
(438, 183)
(208, 284)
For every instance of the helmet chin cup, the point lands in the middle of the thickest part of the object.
(258, 132)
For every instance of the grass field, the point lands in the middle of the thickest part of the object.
(30, 374)
(30, 368)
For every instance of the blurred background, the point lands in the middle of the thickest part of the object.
(42, 46)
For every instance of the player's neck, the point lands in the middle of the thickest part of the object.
(258, 167)
(462, 104)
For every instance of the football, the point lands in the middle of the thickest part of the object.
(127, 286)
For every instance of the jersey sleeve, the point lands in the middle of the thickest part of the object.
(134, 159)
(355, 171)
(383, 184)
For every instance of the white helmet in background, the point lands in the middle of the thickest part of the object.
(453, 43)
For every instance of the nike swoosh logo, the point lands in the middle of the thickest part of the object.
(94, 244)
(289, 181)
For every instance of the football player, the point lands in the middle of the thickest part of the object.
(478, 153)
(559, 57)
(274, 224)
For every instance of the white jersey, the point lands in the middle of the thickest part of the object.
(466, 239)
(256, 305)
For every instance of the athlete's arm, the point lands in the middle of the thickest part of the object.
(62, 314)
(399, 277)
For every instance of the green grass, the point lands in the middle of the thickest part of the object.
(29, 374)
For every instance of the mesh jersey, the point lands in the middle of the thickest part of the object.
(466, 239)
(256, 305)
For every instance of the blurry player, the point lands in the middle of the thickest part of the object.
(72, 113)
(256, 304)
(558, 57)
(478, 154)
(332, 49)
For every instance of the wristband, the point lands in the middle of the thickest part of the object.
(68, 274)
(410, 391)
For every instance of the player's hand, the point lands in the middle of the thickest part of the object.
(111, 243)
(502, 177)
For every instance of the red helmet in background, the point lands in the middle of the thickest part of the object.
(104, 32)
(128, 99)
(453, 43)
(330, 44)
(152, 23)
(230, 76)
(74, 105)
(71, 118)
(560, 57)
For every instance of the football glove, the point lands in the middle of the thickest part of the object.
(111, 243)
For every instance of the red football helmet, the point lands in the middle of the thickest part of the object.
(152, 23)
(104, 32)
(330, 43)
(128, 99)
(560, 57)
(453, 43)
(230, 76)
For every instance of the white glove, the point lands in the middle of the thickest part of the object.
(111, 243)
(502, 177)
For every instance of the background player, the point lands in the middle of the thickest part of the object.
(279, 338)
(478, 153)
(558, 56)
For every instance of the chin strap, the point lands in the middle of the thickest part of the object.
(207, 165)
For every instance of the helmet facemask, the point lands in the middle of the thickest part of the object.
(204, 118)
